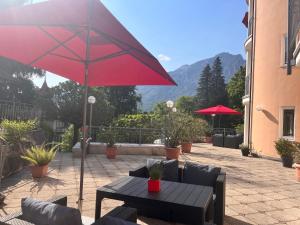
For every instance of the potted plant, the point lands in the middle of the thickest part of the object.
(297, 161)
(244, 149)
(285, 149)
(111, 148)
(39, 158)
(155, 172)
(173, 131)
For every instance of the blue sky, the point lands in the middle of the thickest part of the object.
(180, 32)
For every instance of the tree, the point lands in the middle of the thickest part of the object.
(68, 96)
(218, 89)
(124, 100)
(186, 104)
(236, 89)
(203, 96)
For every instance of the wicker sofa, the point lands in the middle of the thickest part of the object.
(127, 215)
(219, 198)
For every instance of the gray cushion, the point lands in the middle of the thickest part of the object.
(46, 213)
(200, 174)
(108, 220)
(170, 168)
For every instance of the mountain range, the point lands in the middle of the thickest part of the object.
(187, 77)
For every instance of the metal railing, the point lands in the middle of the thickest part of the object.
(224, 131)
(128, 134)
(18, 111)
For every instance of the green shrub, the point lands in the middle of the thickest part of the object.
(193, 129)
(16, 132)
(239, 128)
(110, 137)
(39, 155)
(155, 171)
(285, 147)
(67, 139)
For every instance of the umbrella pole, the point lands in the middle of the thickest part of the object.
(84, 136)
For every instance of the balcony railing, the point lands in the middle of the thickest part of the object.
(247, 85)
(293, 32)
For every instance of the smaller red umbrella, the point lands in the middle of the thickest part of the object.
(219, 109)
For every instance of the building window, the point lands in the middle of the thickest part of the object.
(284, 50)
(288, 123)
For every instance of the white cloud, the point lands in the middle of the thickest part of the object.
(163, 58)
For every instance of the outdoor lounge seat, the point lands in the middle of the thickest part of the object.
(218, 140)
(219, 198)
(118, 216)
(233, 141)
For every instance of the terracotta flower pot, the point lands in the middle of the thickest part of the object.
(111, 152)
(39, 171)
(297, 168)
(186, 147)
(153, 185)
(172, 153)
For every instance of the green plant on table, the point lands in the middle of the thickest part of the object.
(40, 155)
(155, 171)
(285, 148)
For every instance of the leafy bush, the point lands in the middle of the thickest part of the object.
(67, 139)
(39, 155)
(285, 147)
(110, 137)
(239, 128)
(16, 132)
(147, 120)
(192, 129)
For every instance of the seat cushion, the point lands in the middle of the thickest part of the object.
(46, 213)
(170, 168)
(108, 220)
(200, 174)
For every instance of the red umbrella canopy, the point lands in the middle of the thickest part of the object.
(219, 109)
(73, 38)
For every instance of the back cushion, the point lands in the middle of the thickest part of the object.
(200, 174)
(170, 168)
(46, 213)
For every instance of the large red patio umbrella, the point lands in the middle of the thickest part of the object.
(218, 110)
(82, 41)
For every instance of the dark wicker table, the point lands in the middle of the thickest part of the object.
(192, 201)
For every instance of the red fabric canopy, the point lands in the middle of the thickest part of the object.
(219, 109)
(70, 38)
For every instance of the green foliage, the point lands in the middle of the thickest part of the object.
(67, 139)
(109, 135)
(203, 96)
(146, 120)
(186, 104)
(39, 155)
(155, 171)
(244, 147)
(297, 156)
(173, 129)
(193, 129)
(239, 128)
(123, 100)
(236, 89)
(285, 147)
(16, 132)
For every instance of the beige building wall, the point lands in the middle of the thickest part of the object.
(273, 88)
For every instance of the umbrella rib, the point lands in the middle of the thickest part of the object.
(65, 57)
(54, 48)
(66, 47)
(120, 53)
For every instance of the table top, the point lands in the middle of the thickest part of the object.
(171, 192)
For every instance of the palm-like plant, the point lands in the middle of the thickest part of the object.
(39, 155)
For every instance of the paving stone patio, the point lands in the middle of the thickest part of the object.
(259, 191)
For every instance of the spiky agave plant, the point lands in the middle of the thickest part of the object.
(39, 155)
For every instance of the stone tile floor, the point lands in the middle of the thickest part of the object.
(259, 191)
